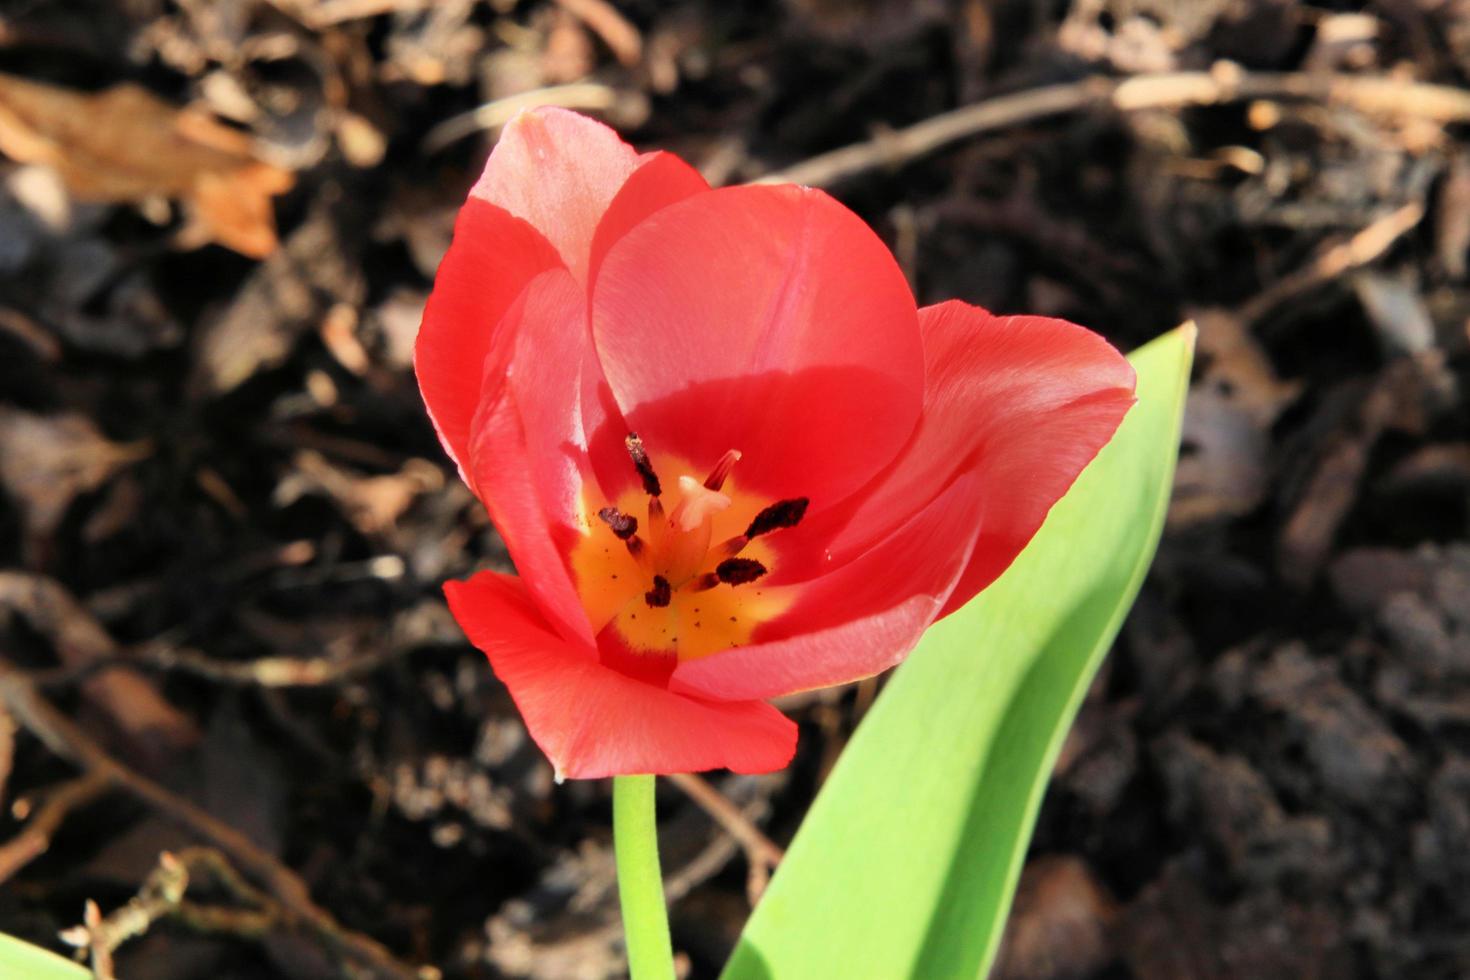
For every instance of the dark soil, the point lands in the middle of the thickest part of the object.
(208, 458)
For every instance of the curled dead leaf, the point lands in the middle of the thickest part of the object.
(126, 145)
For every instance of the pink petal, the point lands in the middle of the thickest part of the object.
(765, 319)
(660, 180)
(558, 171)
(492, 258)
(592, 721)
(858, 620)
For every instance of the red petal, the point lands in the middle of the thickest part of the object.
(524, 455)
(661, 180)
(592, 721)
(559, 171)
(765, 319)
(1051, 395)
(492, 258)
(856, 621)
(1025, 403)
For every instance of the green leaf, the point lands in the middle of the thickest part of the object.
(21, 959)
(906, 864)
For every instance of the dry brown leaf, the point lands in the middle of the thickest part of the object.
(1227, 423)
(126, 145)
(46, 461)
(373, 503)
(284, 297)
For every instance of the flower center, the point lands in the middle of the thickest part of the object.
(685, 581)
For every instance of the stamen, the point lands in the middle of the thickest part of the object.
(641, 463)
(717, 476)
(661, 594)
(730, 547)
(638, 549)
(781, 514)
(623, 526)
(738, 571)
(697, 504)
(658, 526)
(702, 583)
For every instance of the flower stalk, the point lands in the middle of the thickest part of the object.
(640, 883)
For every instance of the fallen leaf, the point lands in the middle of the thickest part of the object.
(47, 460)
(1223, 469)
(372, 503)
(285, 297)
(126, 145)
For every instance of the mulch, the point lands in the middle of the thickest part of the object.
(224, 517)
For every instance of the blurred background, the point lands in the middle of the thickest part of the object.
(224, 517)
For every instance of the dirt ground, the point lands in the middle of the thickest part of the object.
(224, 517)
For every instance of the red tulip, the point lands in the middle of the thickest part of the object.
(820, 469)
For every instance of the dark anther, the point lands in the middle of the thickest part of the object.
(660, 595)
(783, 513)
(738, 571)
(642, 465)
(623, 526)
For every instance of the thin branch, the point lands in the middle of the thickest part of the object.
(761, 853)
(265, 671)
(1336, 258)
(607, 23)
(159, 896)
(80, 641)
(63, 737)
(35, 838)
(1226, 82)
(7, 749)
(587, 96)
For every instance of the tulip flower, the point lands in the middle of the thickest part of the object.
(729, 457)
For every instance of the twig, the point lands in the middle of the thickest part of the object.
(1226, 82)
(163, 895)
(7, 749)
(160, 895)
(327, 13)
(266, 671)
(615, 30)
(35, 839)
(122, 694)
(761, 853)
(579, 95)
(64, 738)
(1334, 259)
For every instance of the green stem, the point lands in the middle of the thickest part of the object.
(640, 885)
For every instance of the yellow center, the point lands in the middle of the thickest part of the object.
(681, 534)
